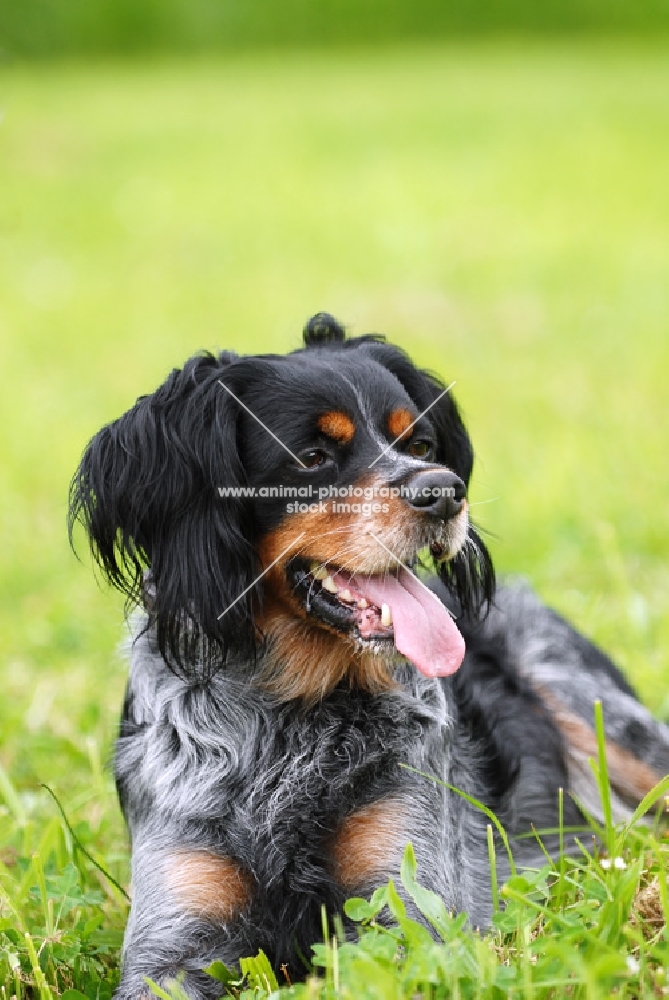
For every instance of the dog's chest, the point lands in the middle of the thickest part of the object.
(229, 759)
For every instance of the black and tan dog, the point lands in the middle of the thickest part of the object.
(267, 513)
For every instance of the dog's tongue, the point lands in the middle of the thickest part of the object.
(424, 631)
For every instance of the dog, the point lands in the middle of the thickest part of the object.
(315, 610)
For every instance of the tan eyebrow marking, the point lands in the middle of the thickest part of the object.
(399, 423)
(337, 426)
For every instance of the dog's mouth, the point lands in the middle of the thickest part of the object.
(381, 611)
(338, 600)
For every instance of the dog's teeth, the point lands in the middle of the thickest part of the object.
(318, 572)
(345, 595)
(330, 585)
(386, 617)
(362, 603)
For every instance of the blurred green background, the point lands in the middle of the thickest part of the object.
(498, 206)
(66, 27)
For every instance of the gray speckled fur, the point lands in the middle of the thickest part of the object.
(228, 769)
(245, 769)
(543, 649)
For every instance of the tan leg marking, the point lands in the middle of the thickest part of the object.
(630, 777)
(369, 843)
(207, 885)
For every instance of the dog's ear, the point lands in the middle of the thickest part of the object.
(470, 576)
(147, 493)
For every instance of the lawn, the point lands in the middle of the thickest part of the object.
(499, 210)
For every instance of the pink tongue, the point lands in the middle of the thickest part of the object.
(424, 631)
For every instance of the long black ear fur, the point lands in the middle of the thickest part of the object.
(146, 492)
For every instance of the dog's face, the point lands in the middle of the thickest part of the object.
(283, 500)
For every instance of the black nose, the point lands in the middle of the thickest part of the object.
(437, 492)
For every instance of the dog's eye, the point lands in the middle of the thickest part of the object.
(313, 458)
(420, 449)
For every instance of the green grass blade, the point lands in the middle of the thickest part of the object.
(476, 804)
(603, 778)
(492, 864)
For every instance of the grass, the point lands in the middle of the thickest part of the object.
(500, 211)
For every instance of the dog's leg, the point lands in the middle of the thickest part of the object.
(569, 674)
(187, 910)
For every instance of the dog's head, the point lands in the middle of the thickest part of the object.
(282, 500)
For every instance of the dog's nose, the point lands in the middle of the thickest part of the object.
(436, 491)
